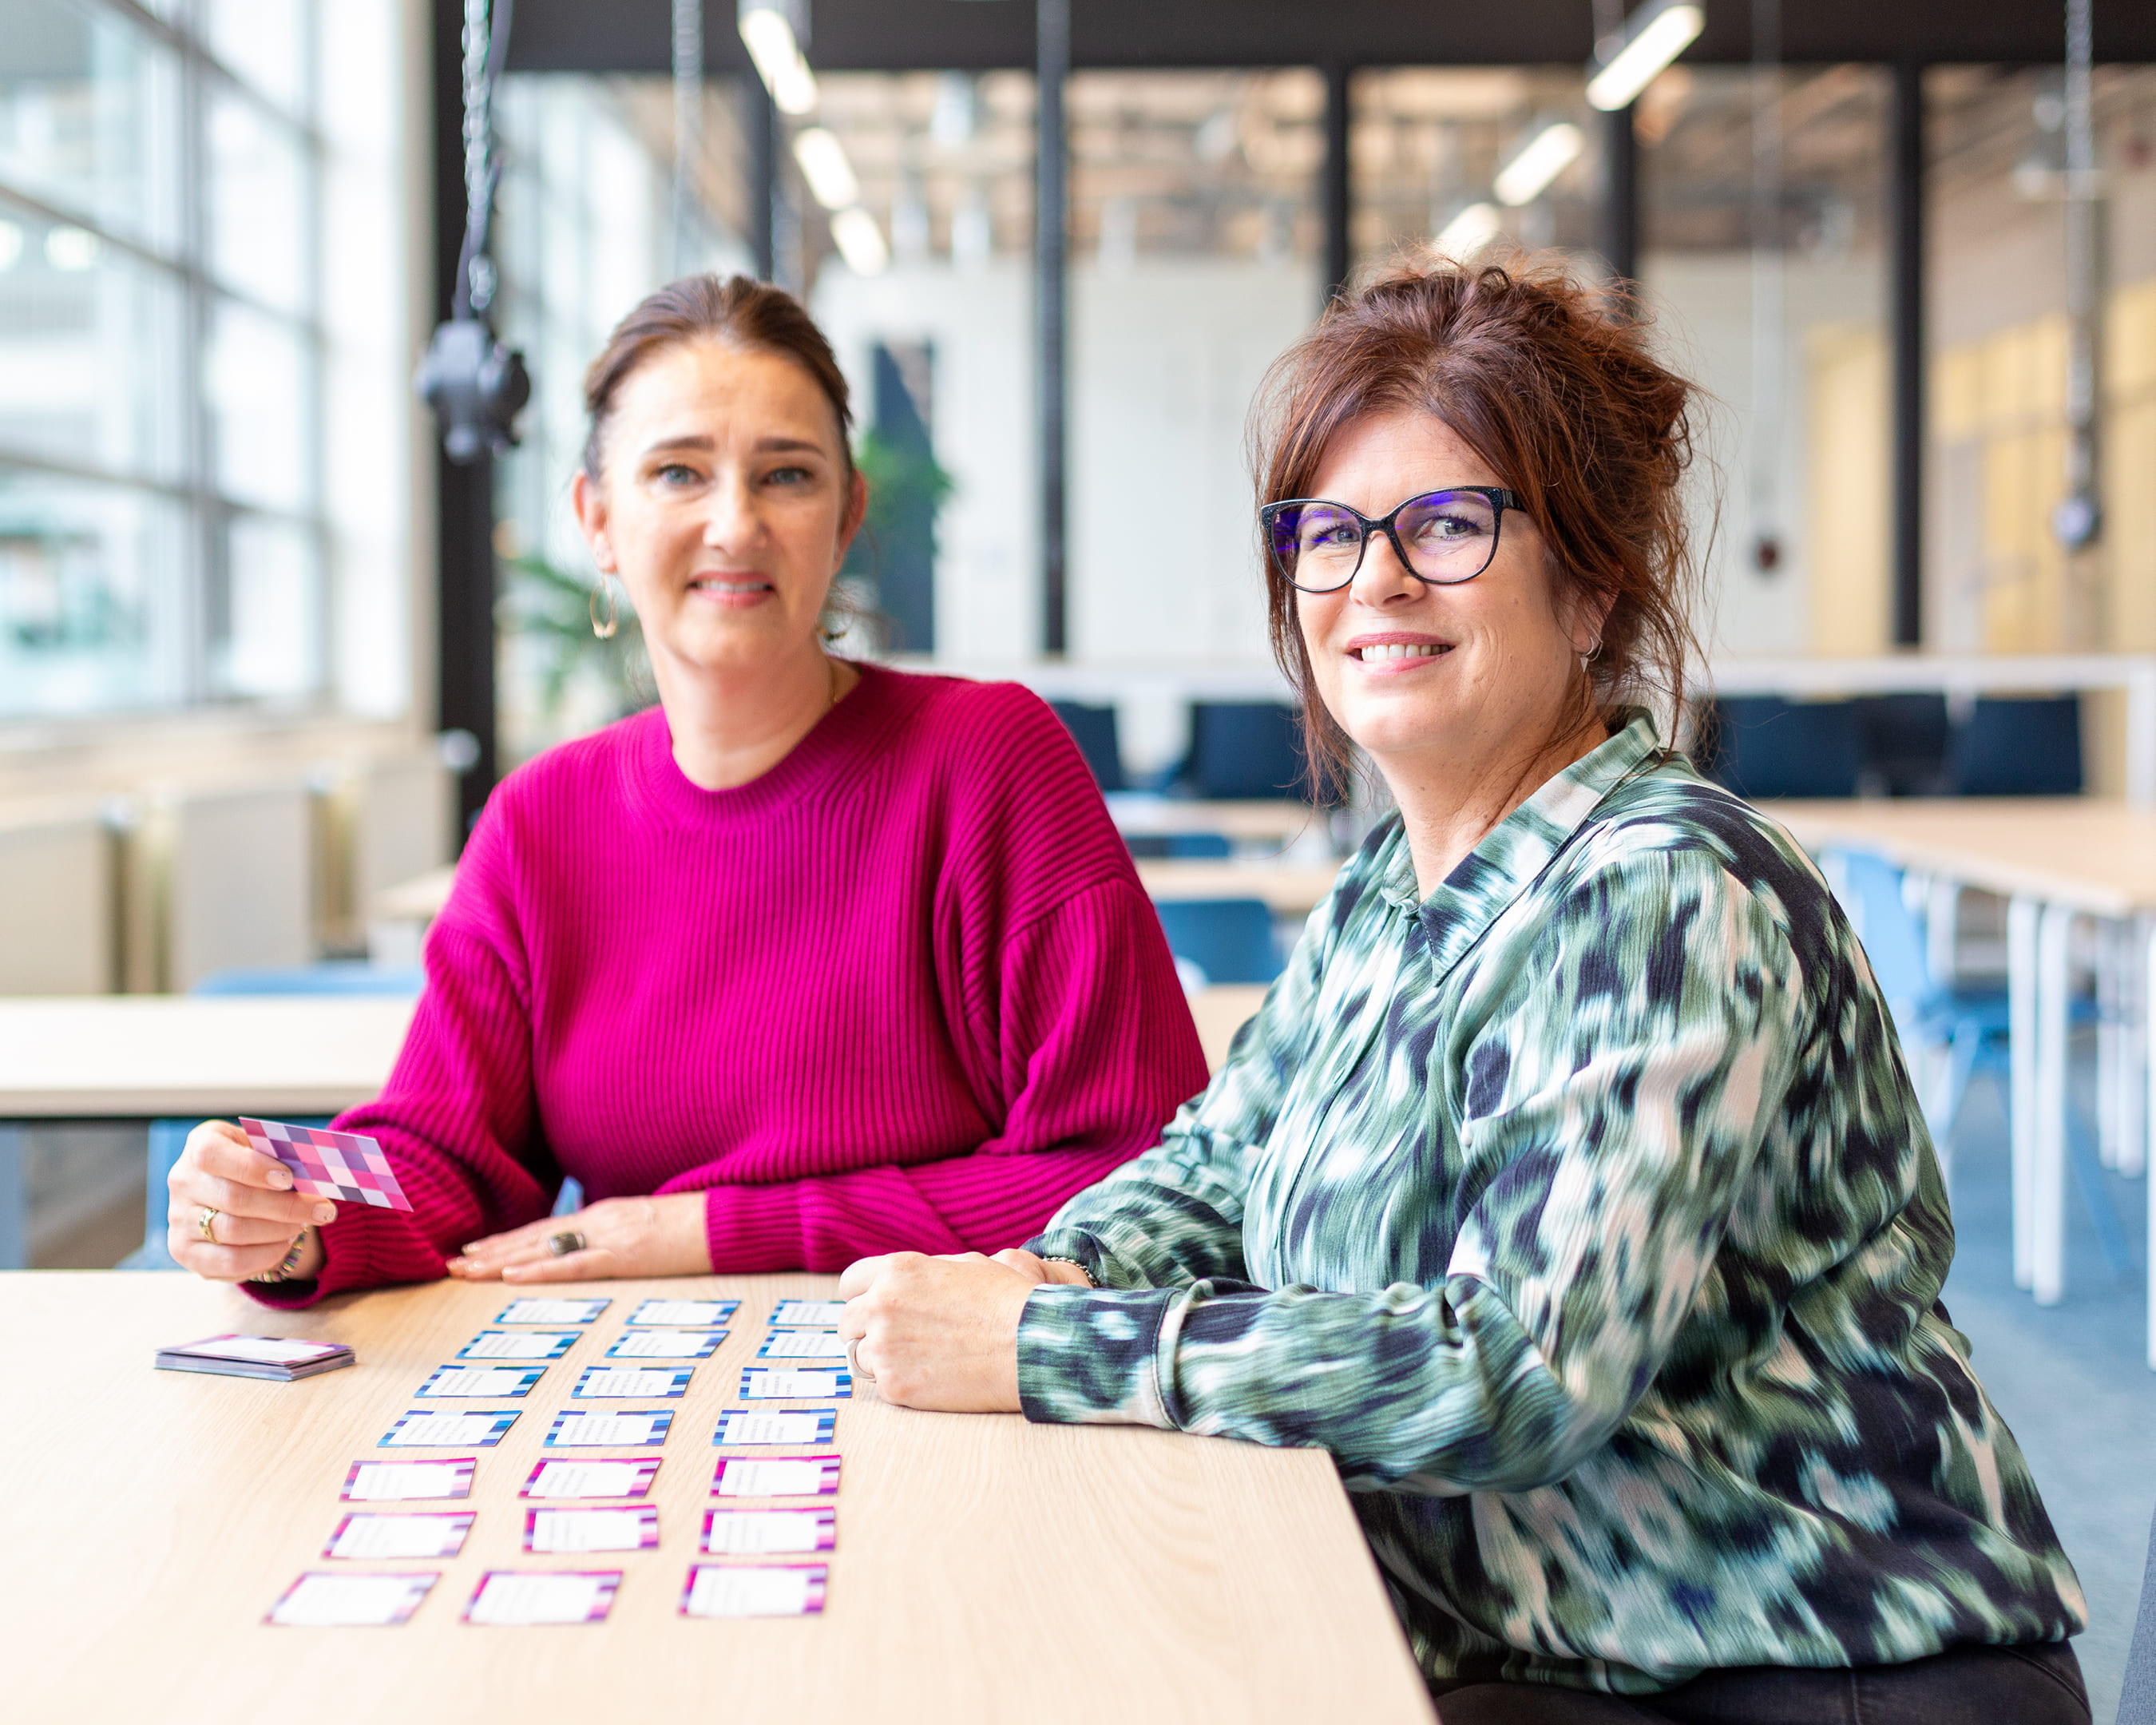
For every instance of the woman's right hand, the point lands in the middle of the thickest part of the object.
(258, 1214)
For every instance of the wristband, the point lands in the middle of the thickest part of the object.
(1091, 1280)
(283, 1272)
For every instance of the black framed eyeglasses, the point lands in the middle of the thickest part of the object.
(1441, 537)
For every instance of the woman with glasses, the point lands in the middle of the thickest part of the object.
(811, 959)
(1570, 1187)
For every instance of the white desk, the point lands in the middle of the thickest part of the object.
(2054, 859)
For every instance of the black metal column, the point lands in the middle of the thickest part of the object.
(1906, 211)
(1621, 196)
(1050, 269)
(761, 119)
(1335, 186)
(464, 508)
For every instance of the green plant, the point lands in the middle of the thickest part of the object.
(551, 608)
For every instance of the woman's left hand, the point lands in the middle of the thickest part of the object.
(622, 1237)
(941, 1332)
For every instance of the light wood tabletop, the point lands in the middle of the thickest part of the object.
(1258, 817)
(2094, 853)
(126, 1056)
(1290, 889)
(984, 1569)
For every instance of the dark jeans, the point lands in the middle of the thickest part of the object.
(2038, 1684)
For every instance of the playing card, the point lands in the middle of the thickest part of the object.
(327, 1164)
(553, 1311)
(432, 1533)
(391, 1481)
(633, 1383)
(764, 1532)
(752, 1426)
(573, 1429)
(511, 1596)
(802, 1344)
(761, 1384)
(666, 1344)
(808, 1314)
(685, 1314)
(519, 1344)
(419, 1430)
(320, 1601)
(779, 1477)
(581, 1530)
(591, 1479)
(741, 1591)
(506, 1383)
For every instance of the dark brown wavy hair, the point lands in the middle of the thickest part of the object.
(735, 311)
(1556, 389)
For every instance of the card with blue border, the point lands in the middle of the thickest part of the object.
(742, 1426)
(519, 1344)
(774, 1383)
(666, 1344)
(579, 1429)
(633, 1383)
(426, 1429)
(802, 1344)
(489, 1383)
(685, 1314)
(553, 1311)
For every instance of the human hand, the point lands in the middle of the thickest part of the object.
(256, 1216)
(622, 1237)
(940, 1332)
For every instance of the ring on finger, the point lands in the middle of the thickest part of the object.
(566, 1242)
(854, 1360)
(206, 1224)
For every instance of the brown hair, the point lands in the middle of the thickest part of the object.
(1559, 395)
(737, 311)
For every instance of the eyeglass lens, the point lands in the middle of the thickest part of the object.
(1448, 536)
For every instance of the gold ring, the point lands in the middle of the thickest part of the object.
(205, 1224)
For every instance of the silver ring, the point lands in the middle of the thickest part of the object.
(854, 1360)
(566, 1242)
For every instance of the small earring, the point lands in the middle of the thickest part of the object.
(1591, 654)
(604, 630)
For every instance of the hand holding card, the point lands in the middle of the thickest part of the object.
(235, 1211)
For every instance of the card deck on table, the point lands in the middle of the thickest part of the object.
(802, 1344)
(320, 1601)
(633, 1384)
(685, 1314)
(431, 1533)
(753, 1425)
(777, 1476)
(590, 1479)
(343, 1166)
(573, 1429)
(580, 1530)
(776, 1383)
(421, 1429)
(281, 1358)
(766, 1533)
(808, 1314)
(743, 1590)
(519, 1344)
(494, 1383)
(511, 1596)
(406, 1481)
(553, 1311)
(667, 1344)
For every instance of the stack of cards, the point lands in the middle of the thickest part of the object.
(279, 1357)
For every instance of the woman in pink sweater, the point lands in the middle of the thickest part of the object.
(814, 961)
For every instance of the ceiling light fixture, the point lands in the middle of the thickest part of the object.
(832, 182)
(1468, 232)
(1652, 37)
(773, 45)
(1540, 160)
(860, 241)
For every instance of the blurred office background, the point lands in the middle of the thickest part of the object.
(263, 650)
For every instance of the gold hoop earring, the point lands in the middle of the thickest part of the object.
(605, 630)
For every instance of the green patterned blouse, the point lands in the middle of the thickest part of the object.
(1584, 1212)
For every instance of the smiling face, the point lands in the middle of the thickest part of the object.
(725, 506)
(1457, 682)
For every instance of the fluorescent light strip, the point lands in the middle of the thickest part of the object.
(859, 242)
(769, 39)
(831, 179)
(1467, 232)
(1542, 159)
(1652, 46)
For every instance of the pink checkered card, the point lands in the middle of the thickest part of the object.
(327, 1164)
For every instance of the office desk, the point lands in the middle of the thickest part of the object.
(2053, 859)
(1290, 889)
(985, 1569)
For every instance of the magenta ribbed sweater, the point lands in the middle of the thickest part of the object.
(903, 991)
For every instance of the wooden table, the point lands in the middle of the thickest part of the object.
(985, 1568)
(1261, 818)
(1290, 889)
(2054, 859)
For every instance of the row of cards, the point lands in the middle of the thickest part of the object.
(515, 1382)
(735, 1477)
(555, 1596)
(578, 1428)
(675, 1314)
(371, 1535)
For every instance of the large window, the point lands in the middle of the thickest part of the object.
(168, 533)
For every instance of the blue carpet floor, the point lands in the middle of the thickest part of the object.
(2072, 1380)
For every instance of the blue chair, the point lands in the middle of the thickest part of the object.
(2018, 748)
(1213, 845)
(1093, 729)
(1905, 739)
(1762, 746)
(1229, 939)
(1971, 1021)
(168, 1138)
(1245, 748)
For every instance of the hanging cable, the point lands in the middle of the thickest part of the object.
(688, 129)
(475, 386)
(2078, 521)
(1769, 358)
